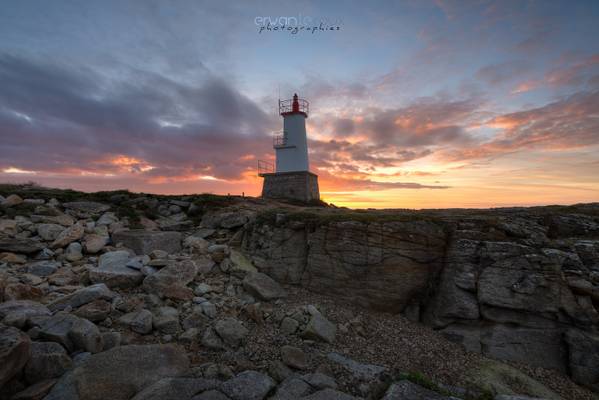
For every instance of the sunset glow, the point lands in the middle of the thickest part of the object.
(412, 104)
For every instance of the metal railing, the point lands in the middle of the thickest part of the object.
(279, 139)
(286, 106)
(265, 167)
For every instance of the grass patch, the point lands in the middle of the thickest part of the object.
(131, 214)
(207, 201)
(422, 380)
(319, 217)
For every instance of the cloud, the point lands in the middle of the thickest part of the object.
(569, 123)
(425, 122)
(496, 74)
(62, 119)
(573, 73)
(361, 182)
(344, 126)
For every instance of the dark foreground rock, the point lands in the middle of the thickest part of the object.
(120, 373)
(14, 352)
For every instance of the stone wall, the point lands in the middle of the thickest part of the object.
(513, 285)
(301, 185)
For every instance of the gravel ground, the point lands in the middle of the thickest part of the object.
(396, 343)
(375, 338)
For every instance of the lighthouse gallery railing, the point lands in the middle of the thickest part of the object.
(286, 106)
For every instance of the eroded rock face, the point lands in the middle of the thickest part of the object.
(378, 265)
(507, 284)
(584, 357)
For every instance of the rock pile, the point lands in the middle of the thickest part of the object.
(155, 303)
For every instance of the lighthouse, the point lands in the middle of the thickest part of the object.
(290, 176)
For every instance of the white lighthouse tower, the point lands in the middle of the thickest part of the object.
(291, 177)
(291, 145)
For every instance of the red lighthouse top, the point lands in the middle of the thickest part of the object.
(294, 106)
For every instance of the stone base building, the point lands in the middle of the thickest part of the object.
(300, 185)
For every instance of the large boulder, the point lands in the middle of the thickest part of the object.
(93, 243)
(36, 391)
(43, 268)
(293, 387)
(82, 296)
(248, 385)
(85, 335)
(22, 309)
(144, 242)
(60, 219)
(49, 232)
(48, 360)
(227, 220)
(14, 352)
(69, 235)
(294, 357)
(96, 311)
(319, 328)
(231, 331)
(171, 281)
(496, 377)
(8, 227)
(139, 321)
(263, 286)
(12, 200)
(21, 291)
(176, 389)
(20, 245)
(120, 373)
(56, 329)
(409, 390)
(166, 320)
(359, 371)
(240, 264)
(112, 270)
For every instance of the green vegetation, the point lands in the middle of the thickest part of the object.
(207, 201)
(318, 217)
(422, 380)
(121, 201)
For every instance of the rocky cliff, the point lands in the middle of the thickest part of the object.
(135, 296)
(513, 284)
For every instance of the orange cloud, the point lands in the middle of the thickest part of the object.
(526, 87)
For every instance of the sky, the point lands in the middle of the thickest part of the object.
(413, 103)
